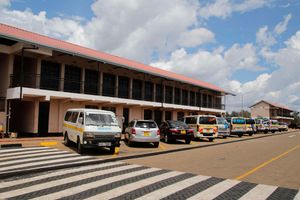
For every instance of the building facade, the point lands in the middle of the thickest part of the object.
(272, 111)
(42, 77)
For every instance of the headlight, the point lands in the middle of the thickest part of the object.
(88, 135)
(118, 135)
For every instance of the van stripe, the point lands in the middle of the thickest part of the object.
(155, 186)
(168, 190)
(259, 192)
(215, 190)
(115, 183)
(64, 183)
(56, 176)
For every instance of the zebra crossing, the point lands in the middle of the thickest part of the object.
(118, 180)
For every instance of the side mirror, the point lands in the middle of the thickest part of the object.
(80, 120)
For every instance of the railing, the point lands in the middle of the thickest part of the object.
(57, 84)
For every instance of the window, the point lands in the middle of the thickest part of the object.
(191, 120)
(180, 116)
(159, 93)
(123, 89)
(145, 124)
(148, 91)
(210, 101)
(207, 120)
(137, 86)
(168, 115)
(169, 94)
(198, 99)
(74, 117)
(192, 98)
(147, 114)
(177, 98)
(50, 75)
(72, 79)
(204, 101)
(81, 115)
(185, 97)
(68, 116)
(109, 83)
(158, 116)
(91, 82)
(91, 107)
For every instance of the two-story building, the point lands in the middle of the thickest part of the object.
(271, 110)
(42, 77)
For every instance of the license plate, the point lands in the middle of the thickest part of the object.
(183, 132)
(146, 134)
(104, 144)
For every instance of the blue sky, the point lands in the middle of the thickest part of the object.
(243, 46)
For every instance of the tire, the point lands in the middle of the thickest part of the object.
(250, 134)
(240, 135)
(80, 149)
(67, 142)
(224, 137)
(272, 131)
(188, 141)
(155, 144)
(211, 139)
(112, 149)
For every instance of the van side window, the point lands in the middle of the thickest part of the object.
(74, 117)
(68, 115)
(191, 120)
(81, 115)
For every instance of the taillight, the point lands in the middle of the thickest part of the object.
(215, 129)
(158, 132)
(133, 131)
(200, 129)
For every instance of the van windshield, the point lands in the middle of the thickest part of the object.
(238, 121)
(221, 120)
(97, 119)
(207, 120)
(250, 121)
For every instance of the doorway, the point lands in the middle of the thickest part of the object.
(43, 118)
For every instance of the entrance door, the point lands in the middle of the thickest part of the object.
(43, 117)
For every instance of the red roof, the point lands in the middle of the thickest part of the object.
(34, 38)
(274, 104)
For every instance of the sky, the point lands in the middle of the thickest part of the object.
(247, 47)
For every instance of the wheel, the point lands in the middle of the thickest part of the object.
(273, 131)
(240, 135)
(211, 139)
(112, 150)
(250, 134)
(188, 141)
(224, 137)
(67, 142)
(156, 144)
(265, 132)
(80, 149)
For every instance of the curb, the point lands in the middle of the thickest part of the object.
(15, 145)
(33, 171)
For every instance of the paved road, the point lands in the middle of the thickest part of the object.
(119, 180)
(270, 160)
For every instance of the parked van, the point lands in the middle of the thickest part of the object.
(205, 126)
(283, 126)
(91, 128)
(237, 126)
(274, 126)
(262, 125)
(250, 126)
(223, 127)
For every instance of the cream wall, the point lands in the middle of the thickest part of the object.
(261, 109)
(136, 113)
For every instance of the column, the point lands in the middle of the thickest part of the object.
(82, 80)
(100, 83)
(38, 72)
(130, 87)
(117, 86)
(154, 92)
(62, 77)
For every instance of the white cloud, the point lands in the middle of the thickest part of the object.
(196, 37)
(282, 26)
(224, 8)
(294, 41)
(264, 37)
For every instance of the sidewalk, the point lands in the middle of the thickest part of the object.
(32, 141)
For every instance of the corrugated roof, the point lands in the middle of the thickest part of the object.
(273, 104)
(34, 38)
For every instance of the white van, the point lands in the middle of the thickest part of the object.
(205, 126)
(91, 128)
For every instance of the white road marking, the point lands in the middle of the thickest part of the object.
(297, 197)
(32, 153)
(99, 183)
(133, 186)
(166, 191)
(62, 181)
(291, 136)
(22, 149)
(214, 191)
(260, 192)
(22, 153)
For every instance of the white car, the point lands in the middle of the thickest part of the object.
(142, 131)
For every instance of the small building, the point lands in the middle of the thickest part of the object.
(271, 110)
(42, 77)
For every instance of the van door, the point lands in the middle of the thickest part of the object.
(80, 125)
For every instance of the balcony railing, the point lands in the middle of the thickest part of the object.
(57, 84)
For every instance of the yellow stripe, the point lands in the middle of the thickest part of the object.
(74, 127)
(161, 146)
(266, 163)
(48, 144)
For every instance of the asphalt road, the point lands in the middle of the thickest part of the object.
(270, 160)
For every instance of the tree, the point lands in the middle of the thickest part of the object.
(296, 121)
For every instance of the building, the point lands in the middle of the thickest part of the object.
(272, 111)
(42, 77)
